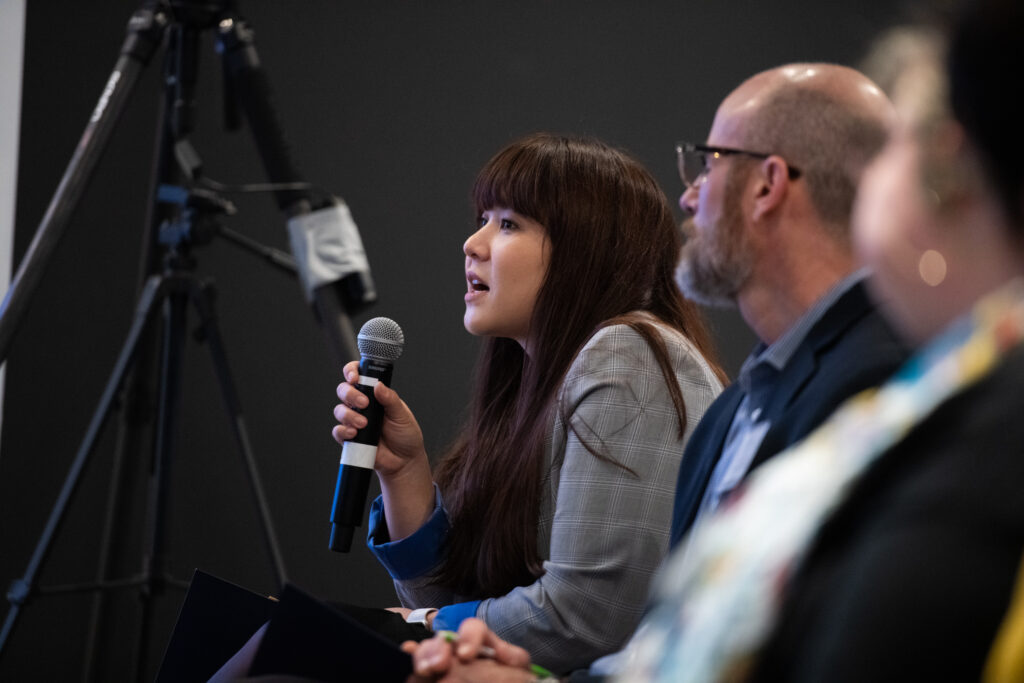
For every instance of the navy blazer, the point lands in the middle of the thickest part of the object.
(851, 348)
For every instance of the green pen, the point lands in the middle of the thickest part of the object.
(489, 653)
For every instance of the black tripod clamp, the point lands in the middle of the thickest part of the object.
(197, 223)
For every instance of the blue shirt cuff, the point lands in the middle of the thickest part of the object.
(414, 555)
(449, 617)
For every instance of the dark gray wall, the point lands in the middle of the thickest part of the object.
(394, 106)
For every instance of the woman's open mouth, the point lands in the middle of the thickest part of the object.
(477, 287)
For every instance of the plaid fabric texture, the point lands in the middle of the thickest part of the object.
(603, 531)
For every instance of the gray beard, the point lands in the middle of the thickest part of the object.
(708, 285)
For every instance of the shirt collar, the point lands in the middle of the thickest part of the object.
(778, 355)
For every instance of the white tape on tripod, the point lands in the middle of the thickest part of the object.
(358, 455)
(326, 246)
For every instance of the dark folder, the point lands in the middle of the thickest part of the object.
(306, 638)
(215, 620)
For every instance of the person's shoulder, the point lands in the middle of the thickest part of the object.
(620, 346)
(611, 350)
(622, 334)
(869, 344)
(857, 319)
(617, 335)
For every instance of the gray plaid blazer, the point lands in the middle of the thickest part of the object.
(602, 531)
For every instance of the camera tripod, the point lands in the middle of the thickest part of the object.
(180, 219)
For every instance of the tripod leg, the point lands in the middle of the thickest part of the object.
(121, 472)
(203, 301)
(21, 589)
(145, 32)
(163, 452)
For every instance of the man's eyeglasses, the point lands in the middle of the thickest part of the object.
(693, 161)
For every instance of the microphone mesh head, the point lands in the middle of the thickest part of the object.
(381, 339)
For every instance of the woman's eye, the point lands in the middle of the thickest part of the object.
(506, 224)
(481, 221)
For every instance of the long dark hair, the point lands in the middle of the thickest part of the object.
(614, 246)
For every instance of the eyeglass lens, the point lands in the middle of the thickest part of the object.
(692, 164)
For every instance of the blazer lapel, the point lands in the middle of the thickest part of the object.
(803, 365)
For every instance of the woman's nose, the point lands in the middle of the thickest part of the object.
(475, 245)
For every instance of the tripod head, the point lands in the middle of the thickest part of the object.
(198, 223)
(199, 13)
(188, 19)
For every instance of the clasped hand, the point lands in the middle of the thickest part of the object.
(438, 659)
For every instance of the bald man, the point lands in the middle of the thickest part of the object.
(769, 198)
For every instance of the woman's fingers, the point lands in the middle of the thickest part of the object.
(432, 657)
(349, 422)
(351, 396)
(506, 652)
(351, 372)
(341, 434)
(394, 406)
(401, 439)
(472, 633)
(475, 638)
(439, 657)
(348, 414)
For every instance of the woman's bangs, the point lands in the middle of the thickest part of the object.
(512, 180)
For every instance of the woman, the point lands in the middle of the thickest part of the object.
(552, 510)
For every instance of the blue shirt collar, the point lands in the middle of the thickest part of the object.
(777, 355)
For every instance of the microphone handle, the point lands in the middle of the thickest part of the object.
(357, 458)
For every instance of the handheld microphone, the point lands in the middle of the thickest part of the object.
(380, 342)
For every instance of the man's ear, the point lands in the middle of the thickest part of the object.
(773, 184)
